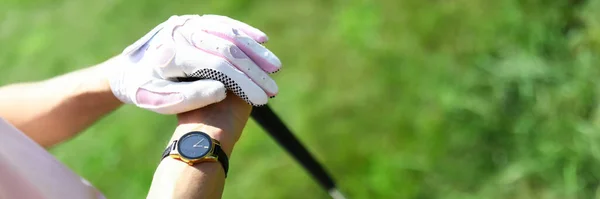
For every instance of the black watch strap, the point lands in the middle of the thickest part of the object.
(218, 151)
(168, 150)
(222, 158)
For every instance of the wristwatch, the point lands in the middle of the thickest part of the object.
(195, 147)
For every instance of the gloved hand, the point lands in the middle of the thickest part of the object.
(223, 52)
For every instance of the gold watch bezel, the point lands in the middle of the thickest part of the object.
(208, 157)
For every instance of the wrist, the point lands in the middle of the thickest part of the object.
(112, 72)
(89, 86)
(223, 121)
(215, 133)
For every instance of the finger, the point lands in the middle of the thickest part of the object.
(253, 32)
(258, 53)
(200, 64)
(228, 51)
(262, 56)
(167, 97)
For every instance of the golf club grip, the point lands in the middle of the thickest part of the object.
(269, 121)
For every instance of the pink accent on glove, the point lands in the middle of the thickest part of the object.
(254, 33)
(265, 60)
(156, 99)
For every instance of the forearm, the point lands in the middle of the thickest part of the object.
(176, 179)
(223, 121)
(54, 110)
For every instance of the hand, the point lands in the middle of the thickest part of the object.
(222, 52)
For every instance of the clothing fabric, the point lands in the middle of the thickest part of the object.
(28, 171)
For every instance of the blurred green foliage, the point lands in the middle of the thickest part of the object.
(398, 98)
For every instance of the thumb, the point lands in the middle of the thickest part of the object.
(167, 97)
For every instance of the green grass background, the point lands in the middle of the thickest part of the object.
(398, 98)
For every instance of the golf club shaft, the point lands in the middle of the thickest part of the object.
(269, 121)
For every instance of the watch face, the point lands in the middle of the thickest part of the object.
(194, 145)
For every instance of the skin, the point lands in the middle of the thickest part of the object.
(67, 104)
(223, 121)
(70, 103)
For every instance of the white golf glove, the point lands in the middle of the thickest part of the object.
(222, 52)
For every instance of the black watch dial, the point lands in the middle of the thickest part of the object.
(194, 145)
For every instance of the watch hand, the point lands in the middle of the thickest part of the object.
(196, 145)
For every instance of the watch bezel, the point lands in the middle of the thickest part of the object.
(211, 144)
